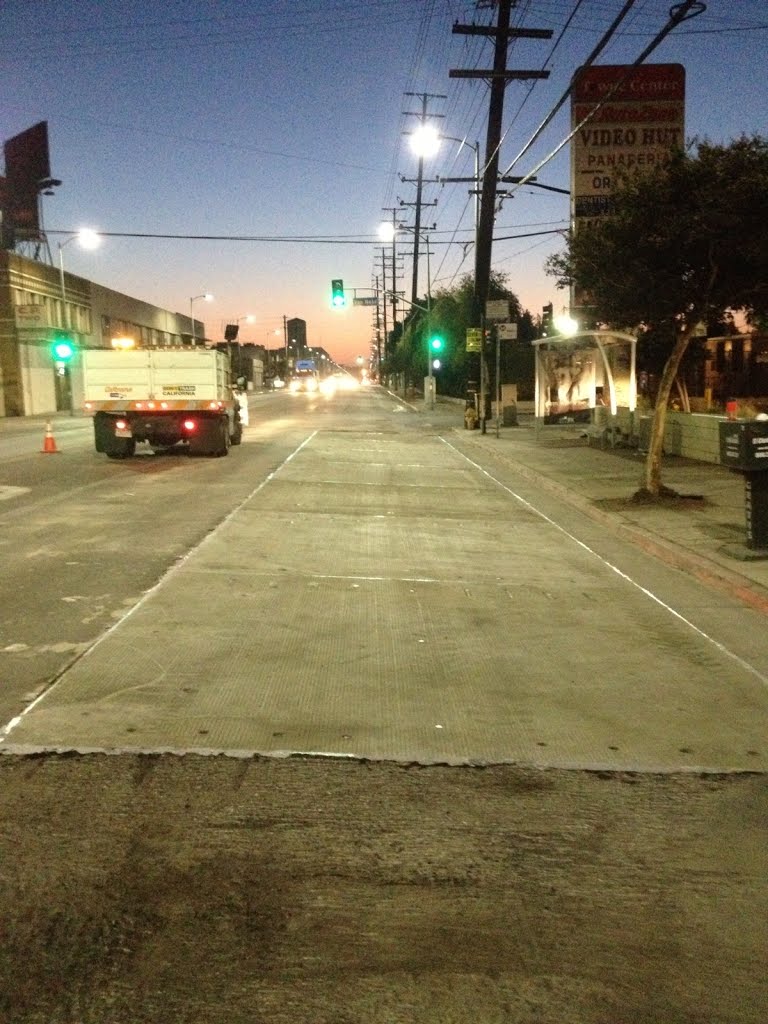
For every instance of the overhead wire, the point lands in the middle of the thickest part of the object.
(683, 11)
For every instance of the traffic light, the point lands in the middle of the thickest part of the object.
(337, 294)
(63, 350)
(547, 327)
(436, 344)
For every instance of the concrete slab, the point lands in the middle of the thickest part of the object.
(444, 637)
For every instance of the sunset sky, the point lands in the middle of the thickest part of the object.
(274, 128)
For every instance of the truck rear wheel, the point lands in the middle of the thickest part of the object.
(211, 437)
(224, 438)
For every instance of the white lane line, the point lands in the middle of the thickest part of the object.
(615, 569)
(7, 729)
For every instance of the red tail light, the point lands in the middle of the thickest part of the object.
(190, 425)
(121, 424)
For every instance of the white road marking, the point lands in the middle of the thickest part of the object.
(615, 569)
(8, 728)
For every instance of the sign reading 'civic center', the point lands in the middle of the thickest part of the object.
(640, 120)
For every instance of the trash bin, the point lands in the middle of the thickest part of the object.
(744, 448)
(744, 445)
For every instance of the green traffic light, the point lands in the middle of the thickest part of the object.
(436, 344)
(337, 293)
(63, 350)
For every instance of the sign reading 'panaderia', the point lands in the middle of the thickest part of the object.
(640, 121)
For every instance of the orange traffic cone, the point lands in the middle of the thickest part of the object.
(49, 443)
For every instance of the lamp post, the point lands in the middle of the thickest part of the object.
(89, 239)
(388, 233)
(272, 361)
(476, 147)
(208, 298)
(425, 142)
(230, 336)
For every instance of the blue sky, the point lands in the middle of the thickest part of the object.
(285, 118)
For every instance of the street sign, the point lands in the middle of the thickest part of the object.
(364, 300)
(507, 332)
(497, 309)
(474, 339)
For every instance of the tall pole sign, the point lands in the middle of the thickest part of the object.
(627, 119)
(638, 123)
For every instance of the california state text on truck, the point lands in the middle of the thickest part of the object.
(161, 396)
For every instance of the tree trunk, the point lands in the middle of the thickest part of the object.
(652, 473)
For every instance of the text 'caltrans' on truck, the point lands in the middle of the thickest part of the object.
(162, 396)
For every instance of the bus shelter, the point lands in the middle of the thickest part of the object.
(587, 377)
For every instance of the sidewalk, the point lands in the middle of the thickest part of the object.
(702, 533)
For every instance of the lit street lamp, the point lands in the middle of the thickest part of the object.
(249, 318)
(89, 239)
(231, 330)
(425, 142)
(566, 325)
(208, 298)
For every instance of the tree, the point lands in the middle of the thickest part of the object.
(450, 313)
(683, 244)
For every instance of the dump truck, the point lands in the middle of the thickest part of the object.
(163, 397)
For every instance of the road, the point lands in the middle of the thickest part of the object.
(355, 725)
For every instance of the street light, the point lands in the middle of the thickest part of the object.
(89, 239)
(231, 330)
(208, 298)
(476, 147)
(249, 318)
(566, 325)
(425, 142)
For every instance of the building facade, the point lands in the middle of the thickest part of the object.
(37, 308)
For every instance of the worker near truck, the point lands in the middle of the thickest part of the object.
(241, 395)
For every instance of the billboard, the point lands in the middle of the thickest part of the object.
(639, 121)
(27, 164)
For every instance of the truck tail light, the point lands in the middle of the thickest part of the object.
(121, 424)
(190, 426)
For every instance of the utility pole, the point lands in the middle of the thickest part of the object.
(498, 77)
(285, 341)
(393, 211)
(383, 299)
(422, 116)
(378, 324)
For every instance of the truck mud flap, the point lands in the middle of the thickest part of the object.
(106, 441)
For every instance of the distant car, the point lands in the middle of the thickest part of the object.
(277, 383)
(346, 382)
(303, 381)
